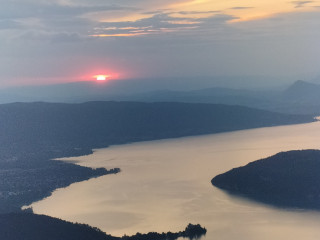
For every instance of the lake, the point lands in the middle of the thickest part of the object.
(164, 185)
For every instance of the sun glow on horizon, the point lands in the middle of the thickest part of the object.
(101, 77)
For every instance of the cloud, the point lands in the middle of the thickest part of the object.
(156, 38)
(9, 24)
(294, 25)
(25, 9)
(53, 37)
(46, 18)
(109, 18)
(160, 23)
(300, 4)
(197, 12)
(156, 24)
(240, 8)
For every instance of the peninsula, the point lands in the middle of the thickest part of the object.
(287, 179)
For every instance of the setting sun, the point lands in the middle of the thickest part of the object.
(101, 77)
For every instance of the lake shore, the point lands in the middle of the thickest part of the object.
(172, 187)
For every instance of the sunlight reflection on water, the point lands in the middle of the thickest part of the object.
(164, 185)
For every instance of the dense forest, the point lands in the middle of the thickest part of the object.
(287, 179)
(27, 226)
(98, 124)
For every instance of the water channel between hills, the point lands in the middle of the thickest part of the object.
(164, 185)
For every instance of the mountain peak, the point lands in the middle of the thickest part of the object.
(302, 90)
(303, 83)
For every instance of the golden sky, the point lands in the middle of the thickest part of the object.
(244, 10)
(188, 15)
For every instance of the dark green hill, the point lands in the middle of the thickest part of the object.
(95, 124)
(22, 226)
(26, 226)
(287, 179)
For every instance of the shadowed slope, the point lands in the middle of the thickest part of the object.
(287, 179)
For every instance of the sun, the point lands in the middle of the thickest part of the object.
(101, 77)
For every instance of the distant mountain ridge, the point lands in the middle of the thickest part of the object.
(301, 91)
(299, 98)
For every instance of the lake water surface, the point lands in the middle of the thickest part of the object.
(164, 185)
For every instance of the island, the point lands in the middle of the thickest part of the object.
(288, 180)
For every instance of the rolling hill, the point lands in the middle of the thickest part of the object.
(287, 179)
(95, 124)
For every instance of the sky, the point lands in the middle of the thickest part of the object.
(57, 41)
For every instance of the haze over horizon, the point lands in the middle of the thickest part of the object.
(66, 40)
(127, 109)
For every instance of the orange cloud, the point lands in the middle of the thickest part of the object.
(120, 34)
(167, 16)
